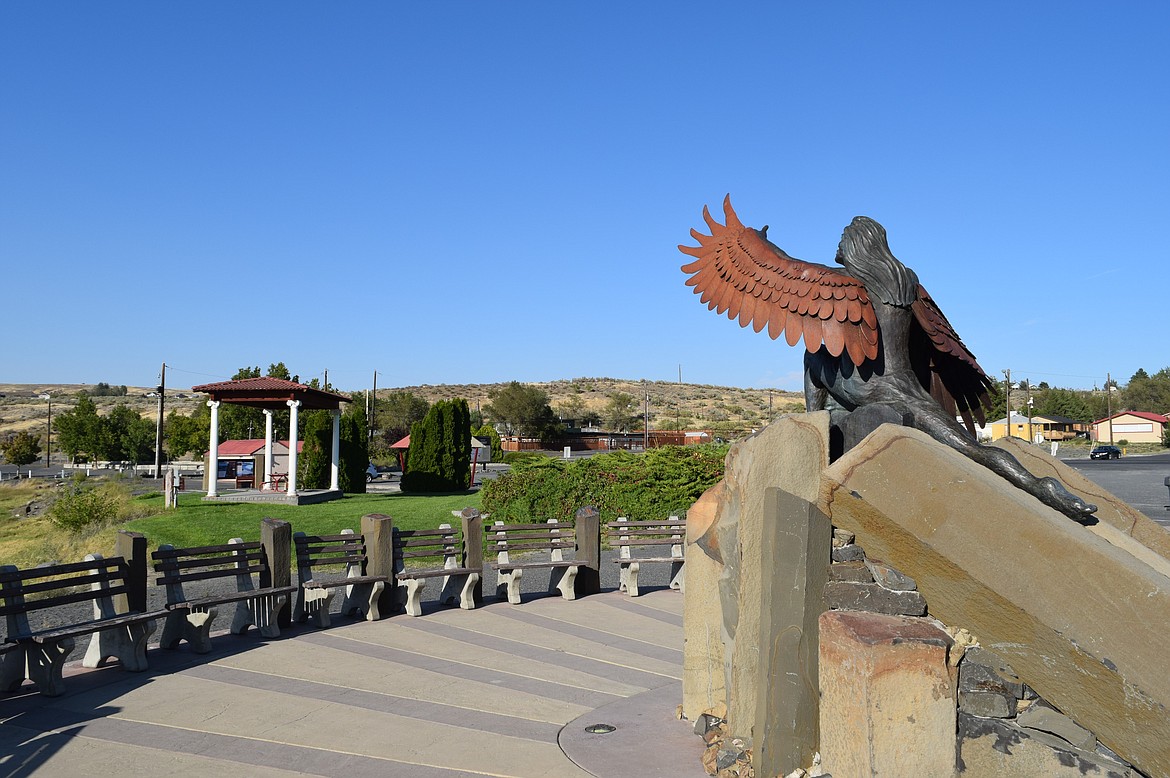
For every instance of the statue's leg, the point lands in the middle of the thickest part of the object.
(1047, 490)
(815, 396)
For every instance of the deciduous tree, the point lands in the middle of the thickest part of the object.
(21, 449)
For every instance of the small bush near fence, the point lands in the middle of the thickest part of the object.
(643, 487)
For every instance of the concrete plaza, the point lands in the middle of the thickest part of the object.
(501, 690)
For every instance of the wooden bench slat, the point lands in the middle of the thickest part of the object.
(344, 559)
(188, 564)
(66, 583)
(339, 538)
(63, 599)
(532, 565)
(335, 583)
(535, 545)
(323, 548)
(425, 533)
(627, 560)
(207, 602)
(89, 627)
(546, 526)
(45, 571)
(196, 551)
(648, 533)
(622, 524)
(204, 575)
(434, 572)
(636, 542)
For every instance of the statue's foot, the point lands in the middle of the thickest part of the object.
(1055, 495)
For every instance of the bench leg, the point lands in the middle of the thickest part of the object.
(624, 575)
(363, 599)
(632, 570)
(508, 585)
(260, 612)
(192, 626)
(460, 587)
(315, 603)
(678, 576)
(414, 588)
(565, 580)
(126, 643)
(44, 662)
(12, 664)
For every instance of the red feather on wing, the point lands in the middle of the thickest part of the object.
(737, 270)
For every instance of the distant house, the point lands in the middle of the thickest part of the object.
(1134, 426)
(232, 452)
(1016, 427)
(1060, 427)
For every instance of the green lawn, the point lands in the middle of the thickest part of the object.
(199, 523)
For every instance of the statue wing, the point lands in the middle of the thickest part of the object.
(737, 270)
(956, 380)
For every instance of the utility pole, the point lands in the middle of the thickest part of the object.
(49, 433)
(1007, 402)
(158, 432)
(373, 415)
(326, 384)
(1109, 404)
(646, 423)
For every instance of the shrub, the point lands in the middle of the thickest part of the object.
(659, 483)
(78, 508)
(521, 457)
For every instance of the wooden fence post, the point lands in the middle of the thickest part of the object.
(276, 542)
(131, 546)
(378, 535)
(587, 526)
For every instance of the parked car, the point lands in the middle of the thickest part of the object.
(371, 473)
(1105, 452)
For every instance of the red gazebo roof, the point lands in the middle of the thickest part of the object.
(269, 392)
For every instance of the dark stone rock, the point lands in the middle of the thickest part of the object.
(987, 704)
(889, 578)
(853, 572)
(843, 595)
(984, 671)
(727, 757)
(705, 723)
(850, 553)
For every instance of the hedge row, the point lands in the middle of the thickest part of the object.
(642, 487)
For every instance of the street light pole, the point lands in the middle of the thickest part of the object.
(49, 434)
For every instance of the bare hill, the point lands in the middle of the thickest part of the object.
(690, 406)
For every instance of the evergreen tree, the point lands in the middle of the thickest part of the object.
(355, 456)
(313, 463)
(439, 458)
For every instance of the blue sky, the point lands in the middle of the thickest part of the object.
(485, 191)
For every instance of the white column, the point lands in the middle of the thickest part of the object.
(213, 449)
(267, 445)
(335, 464)
(293, 405)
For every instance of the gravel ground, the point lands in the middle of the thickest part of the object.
(534, 581)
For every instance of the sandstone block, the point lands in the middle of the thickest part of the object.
(1080, 619)
(789, 454)
(887, 696)
(998, 748)
(993, 704)
(704, 652)
(784, 733)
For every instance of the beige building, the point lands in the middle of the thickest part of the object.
(1132, 426)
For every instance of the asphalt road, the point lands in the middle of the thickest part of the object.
(1138, 480)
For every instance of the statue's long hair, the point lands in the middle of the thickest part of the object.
(865, 253)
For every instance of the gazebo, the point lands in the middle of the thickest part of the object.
(269, 394)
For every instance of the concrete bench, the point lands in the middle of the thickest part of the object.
(453, 554)
(39, 654)
(531, 540)
(315, 590)
(189, 617)
(647, 536)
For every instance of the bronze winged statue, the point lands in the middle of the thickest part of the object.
(873, 336)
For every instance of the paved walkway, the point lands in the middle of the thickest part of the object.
(502, 690)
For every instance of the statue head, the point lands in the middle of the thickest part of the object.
(866, 255)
